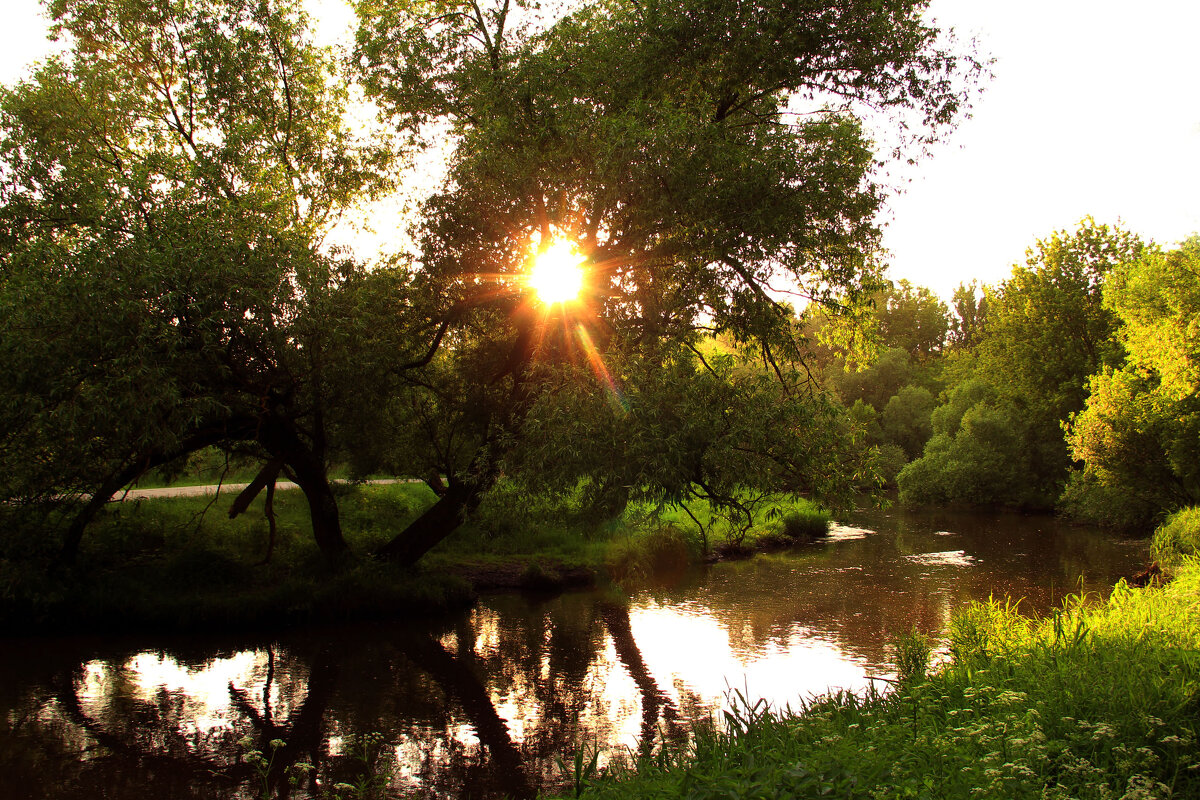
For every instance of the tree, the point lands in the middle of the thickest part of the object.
(695, 153)
(969, 316)
(1047, 331)
(906, 419)
(914, 319)
(1140, 431)
(1047, 327)
(162, 287)
(978, 453)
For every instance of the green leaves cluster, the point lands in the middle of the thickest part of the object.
(1140, 431)
(998, 440)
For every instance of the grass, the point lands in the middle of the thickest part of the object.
(182, 564)
(1178, 538)
(1098, 701)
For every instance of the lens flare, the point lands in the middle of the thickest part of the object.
(615, 396)
(557, 274)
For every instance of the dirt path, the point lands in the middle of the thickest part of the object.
(224, 488)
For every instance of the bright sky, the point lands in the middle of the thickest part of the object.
(1094, 109)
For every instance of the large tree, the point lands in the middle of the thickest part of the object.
(699, 155)
(163, 191)
(1140, 432)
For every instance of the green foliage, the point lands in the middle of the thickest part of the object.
(1141, 428)
(890, 459)
(969, 317)
(807, 523)
(1096, 702)
(648, 550)
(998, 437)
(879, 381)
(667, 149)
(913, 319)
(906, 419)
(1047, 326)
(166, 183)
(1177, 540)
(912, 651)
(719, 430)
(979, 454)
(1086, 499)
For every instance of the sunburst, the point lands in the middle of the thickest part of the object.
(557, 273)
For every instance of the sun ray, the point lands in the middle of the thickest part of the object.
(596, 362)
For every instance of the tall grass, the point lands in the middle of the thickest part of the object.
(1178, 537)
(1098, 701)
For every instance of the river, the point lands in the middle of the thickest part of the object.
(496, 701)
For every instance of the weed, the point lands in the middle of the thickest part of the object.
(583, 768)
(808, 523)
(912, 651)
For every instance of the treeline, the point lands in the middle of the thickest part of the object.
(1072, 385)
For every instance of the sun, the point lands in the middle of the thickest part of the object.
(557, 274)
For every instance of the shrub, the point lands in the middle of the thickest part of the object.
(808, 523)
(1086, 499)
(1178, 537)
(641, 554)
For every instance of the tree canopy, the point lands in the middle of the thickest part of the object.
(164, 189)
(700, 155)
(1046, 331)
(1140, 431)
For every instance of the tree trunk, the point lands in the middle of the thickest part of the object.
(308, 469)
(439, 521)
(74, 534)
(322, 506)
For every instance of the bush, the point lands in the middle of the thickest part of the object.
(1086, 499)
(1178, 537)
(640, 554)
(809, 523)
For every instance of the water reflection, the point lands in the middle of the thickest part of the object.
(485, 704)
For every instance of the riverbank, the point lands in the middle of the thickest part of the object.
(179, 564)
(1098, 700)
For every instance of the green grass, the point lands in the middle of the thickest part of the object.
(1097, 701)
(181, 563)
(1178, 538)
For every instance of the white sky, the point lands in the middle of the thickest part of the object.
(1094, 109)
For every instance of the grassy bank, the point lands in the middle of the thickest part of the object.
(1100, 701)
(182, 564)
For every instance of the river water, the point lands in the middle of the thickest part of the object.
(495, 702)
